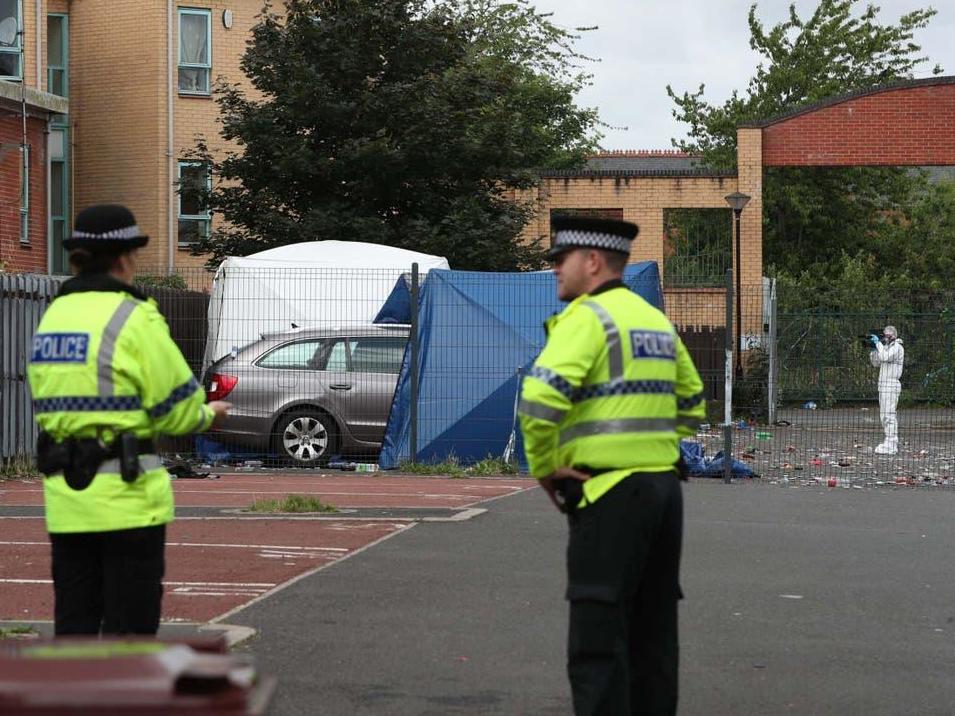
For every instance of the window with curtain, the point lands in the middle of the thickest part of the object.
(10, 13)
(195, 180)
(195, 51)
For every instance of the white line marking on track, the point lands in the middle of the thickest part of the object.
(206, 585)
(214, 544)
(303, 575)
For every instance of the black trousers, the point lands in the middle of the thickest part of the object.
(623, 566)
(108, 582)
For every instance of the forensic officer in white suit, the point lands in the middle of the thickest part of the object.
(888, 356)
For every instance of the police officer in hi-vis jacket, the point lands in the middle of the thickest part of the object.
(602, 411)
(107, 379)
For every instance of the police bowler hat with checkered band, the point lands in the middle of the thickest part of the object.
(581, 232)
(108, 227)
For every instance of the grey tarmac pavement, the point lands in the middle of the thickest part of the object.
(799, 601)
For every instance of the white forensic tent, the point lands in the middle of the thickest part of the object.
(312, 284)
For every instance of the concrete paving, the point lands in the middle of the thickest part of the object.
(799, 601)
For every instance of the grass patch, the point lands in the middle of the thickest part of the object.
(292, 503)
(18, 632)
(452, 467)
(18, 468)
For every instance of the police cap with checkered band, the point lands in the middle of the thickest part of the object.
(105, 227)
(582, 232)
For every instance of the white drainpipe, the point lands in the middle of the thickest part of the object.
(170, 137)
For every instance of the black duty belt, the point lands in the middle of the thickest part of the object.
(79, 459)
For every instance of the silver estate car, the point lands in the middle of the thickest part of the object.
(308, 394)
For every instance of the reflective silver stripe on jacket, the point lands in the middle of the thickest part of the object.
(614, 346)
(626, 425)
(543, 412)
(147, 462)
(107, 346)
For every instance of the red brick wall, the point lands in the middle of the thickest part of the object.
(15, 256)
(913, 126)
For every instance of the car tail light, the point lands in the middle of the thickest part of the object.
(220, 385)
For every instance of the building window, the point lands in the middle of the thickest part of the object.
(58, 152)
(195, 181)
(195, 51)
(697, 247)
(24, 193)
(57, 55)
(10, 14)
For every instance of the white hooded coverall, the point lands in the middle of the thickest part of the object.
(889, 359)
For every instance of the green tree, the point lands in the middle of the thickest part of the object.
(411, 123)
(813, 217)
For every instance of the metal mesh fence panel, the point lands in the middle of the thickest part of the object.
(808, 402)
(317, 362)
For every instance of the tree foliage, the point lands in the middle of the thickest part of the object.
(817, 218)
(411, 123)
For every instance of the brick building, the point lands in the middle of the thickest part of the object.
(139, 76)
(31, 147)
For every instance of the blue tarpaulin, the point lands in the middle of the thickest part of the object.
(477, 332)
(699, 465)
(397, 307)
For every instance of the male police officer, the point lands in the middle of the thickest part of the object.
(601, 412)
(106, 379)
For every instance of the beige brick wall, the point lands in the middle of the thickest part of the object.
(749, 159)
(118, 110)
(643, 200)
(118, 105)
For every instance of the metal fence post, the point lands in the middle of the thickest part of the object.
(414, 362)
(771, 390)
(728, 391)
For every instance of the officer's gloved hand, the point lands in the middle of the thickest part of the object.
(874, 339)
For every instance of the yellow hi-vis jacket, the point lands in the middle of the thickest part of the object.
(613, 391)
(103, 363)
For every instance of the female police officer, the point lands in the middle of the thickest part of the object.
(106, 379)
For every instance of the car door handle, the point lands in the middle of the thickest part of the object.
(340, 386)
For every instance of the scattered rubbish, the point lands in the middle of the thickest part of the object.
(180, 468)
(341, 465)
(844, 463)
(831, 482)
(809, 405)
(704, 427)
(816, 462)
(790, 448)
(742, 425)
(763, 435)
(783, 423)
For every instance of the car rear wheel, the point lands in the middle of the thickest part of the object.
(305, 437)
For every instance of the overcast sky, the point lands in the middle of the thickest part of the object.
(645, 44)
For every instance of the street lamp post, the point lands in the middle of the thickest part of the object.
(737, 202)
